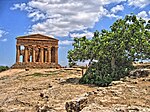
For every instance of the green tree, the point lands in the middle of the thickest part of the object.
(128, 40)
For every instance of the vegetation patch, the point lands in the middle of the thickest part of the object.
(3, 68)
(44, 75)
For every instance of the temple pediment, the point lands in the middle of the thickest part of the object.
(37, 37)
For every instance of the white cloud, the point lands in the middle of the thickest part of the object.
(117, 8)
(139, 3)
(149, 12)
(21, 6)
(33, 13)
(65, 42)
(59, 17)
(36, 16)
(2, 33)
(144, 15)
(85, 33)
(4, 40)
(83, 63)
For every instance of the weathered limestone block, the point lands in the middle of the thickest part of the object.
(44, 108)
(76, 105)
(139, 73)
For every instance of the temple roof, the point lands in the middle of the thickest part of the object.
(37, 37)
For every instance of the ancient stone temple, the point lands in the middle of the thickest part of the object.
(36, 51)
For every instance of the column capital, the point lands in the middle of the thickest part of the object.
(45, 47)
(33, 45)
(18, 45)
(42, 48)
(49, 46)
(25, 46)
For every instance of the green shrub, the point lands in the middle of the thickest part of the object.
(3, 68)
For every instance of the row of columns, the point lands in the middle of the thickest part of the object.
(45, 55)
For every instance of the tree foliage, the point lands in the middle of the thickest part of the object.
(128, 40)
(3, 68)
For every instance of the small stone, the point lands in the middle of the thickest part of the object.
(76, 105)
(134, 82)
(44, 108)
(46, 96)
(50, 86)
(116, 82)
(95, 92)
(41, 95)
(134, 109)
(90, 93)
(122, 79)
(27, 69)
(147, 80)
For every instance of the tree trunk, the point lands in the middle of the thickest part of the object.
(113, 65)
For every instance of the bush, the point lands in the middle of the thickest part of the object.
(3, 68)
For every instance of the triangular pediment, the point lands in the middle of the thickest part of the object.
(37, 37)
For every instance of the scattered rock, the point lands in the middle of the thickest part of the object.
(3, 110)
(44, 108)
(126, 79)
(27, 69)
(146, 79)
(116, 83)
(50, 86)
(134, 82)
(41, 95)
(139, 73)
(73, 80)
(76, 105)
(90, 93)
(95, 92)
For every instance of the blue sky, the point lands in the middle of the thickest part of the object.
(64, 19)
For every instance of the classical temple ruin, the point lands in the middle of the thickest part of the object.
(36, 51)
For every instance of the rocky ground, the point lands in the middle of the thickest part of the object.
(57, 90)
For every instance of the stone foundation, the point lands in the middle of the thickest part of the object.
(35, 65)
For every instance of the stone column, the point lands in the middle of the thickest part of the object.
(45, 55)
(56, 55)
(26, 54)
(42, 54)
(49, 54)
(17, 53)
(23, 55)
(29, 53)
(33, 53)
